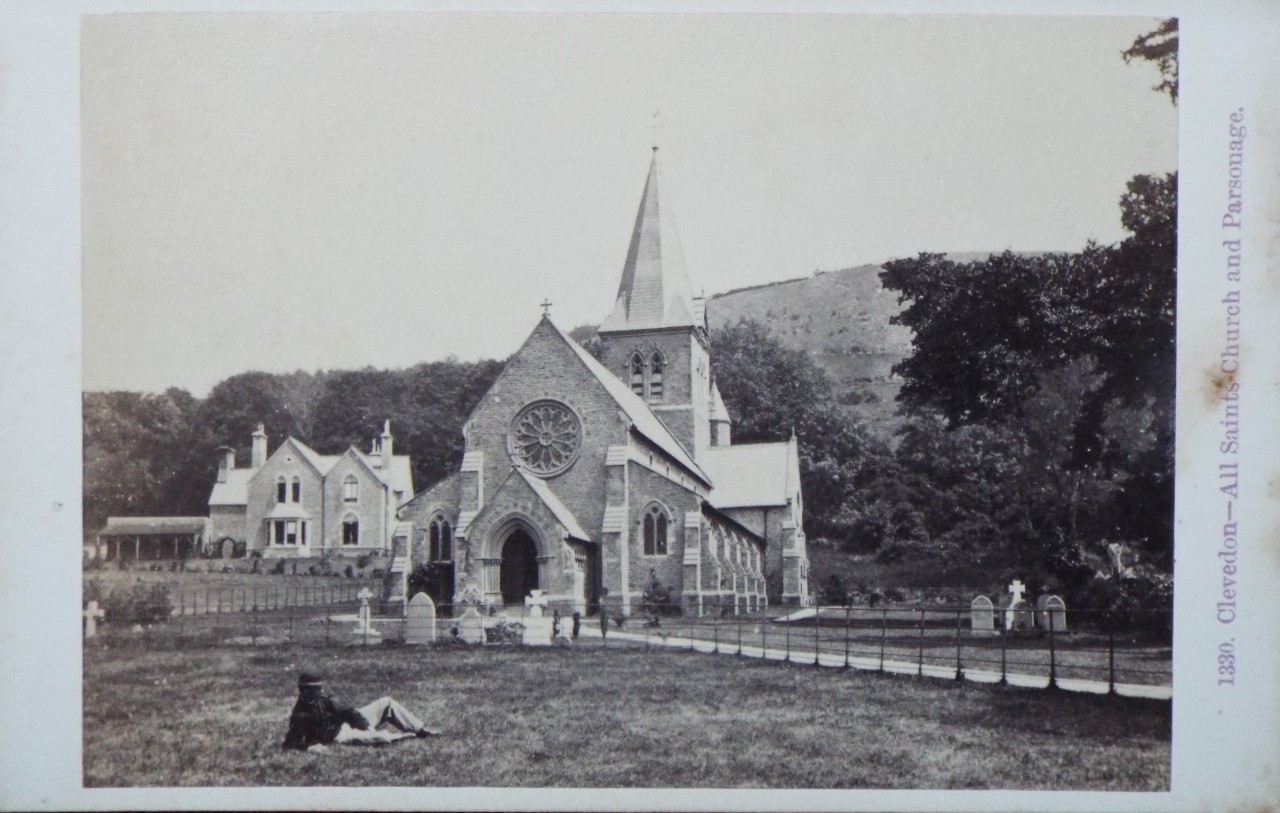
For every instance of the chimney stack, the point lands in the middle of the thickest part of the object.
(258, 456)
(385, 446)
(226, 462)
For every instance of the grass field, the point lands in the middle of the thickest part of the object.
(591, 717)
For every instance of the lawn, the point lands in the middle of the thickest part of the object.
(593, 717)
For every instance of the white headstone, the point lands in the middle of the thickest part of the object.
(92, 615)
(471, 626)
(537, 627)
(1016, 589)
(420, 620)
(982, 614)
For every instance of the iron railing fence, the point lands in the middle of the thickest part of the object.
(1106, 647)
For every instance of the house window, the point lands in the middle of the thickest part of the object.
(350, 530)
(655, 532)
(441, 536)
(291, 532)
(655, 377)
(282, 490)
(297, 490)
(278, 536)
(637, 375)
(350, 489)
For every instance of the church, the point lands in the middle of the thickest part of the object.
(590, 477)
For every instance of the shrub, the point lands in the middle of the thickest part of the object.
(436, 580)
(278, 568)
(656, 600)
(139, 604)
(832, 591)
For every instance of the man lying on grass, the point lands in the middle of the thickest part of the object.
(317, 722)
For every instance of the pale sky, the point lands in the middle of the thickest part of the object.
(330, 191)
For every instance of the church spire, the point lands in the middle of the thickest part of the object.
(654, 291)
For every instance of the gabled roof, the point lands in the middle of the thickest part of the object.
(752, 474)
(562, 514)
(400, 475)
(654, 291)
(447, 492)
(638, 412)
(235, 491)
(146, 526)
(542, 491)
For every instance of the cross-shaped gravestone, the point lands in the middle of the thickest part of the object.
(1016, 589)
(92, 615)
(535, 602)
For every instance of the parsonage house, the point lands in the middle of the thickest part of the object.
(590, 477)
(297, 503)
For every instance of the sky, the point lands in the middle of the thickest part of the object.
(332, 191)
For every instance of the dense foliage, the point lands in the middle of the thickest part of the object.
(148, 454)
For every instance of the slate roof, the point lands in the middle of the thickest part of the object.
(638, 412)
(752, 474)
(235, 491)
(654, 291)
(147, 526)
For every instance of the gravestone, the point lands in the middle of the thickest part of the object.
(1019, 616)
(1051, 613)
(92, 615)
(1016, 589)
(420, 620)
(982, 620)
(471, 626)
(364, 632)
(537, 626)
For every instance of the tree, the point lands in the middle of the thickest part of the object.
(772, 391)
(1161, 47)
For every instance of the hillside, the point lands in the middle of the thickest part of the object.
(842, 319)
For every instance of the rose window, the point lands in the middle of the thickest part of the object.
(546, 435)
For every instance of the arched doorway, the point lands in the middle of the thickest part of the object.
(519, 570)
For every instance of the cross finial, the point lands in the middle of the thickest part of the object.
(546, 307)
(654, 126)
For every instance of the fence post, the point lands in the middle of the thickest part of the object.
(715, 635)
(884, 633)
(959, 672)
(764, 638)
(848, 608)
(1111, 658)
(1004, 674)
(817, 634)
(326, 625)
(920, 658)
(787, 642)
(739, 633)
(1053, 661)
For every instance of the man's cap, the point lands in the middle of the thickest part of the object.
(310, 677)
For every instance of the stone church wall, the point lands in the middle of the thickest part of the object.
(547, 368)
(648, 487)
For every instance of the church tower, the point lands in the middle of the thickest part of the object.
(655, 338)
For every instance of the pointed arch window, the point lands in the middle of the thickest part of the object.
(655, 531)
(350, 530)
(441, 536)
(350, 489)
(656, 366)
(282, 490)
(297, 490)
(637, 374)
